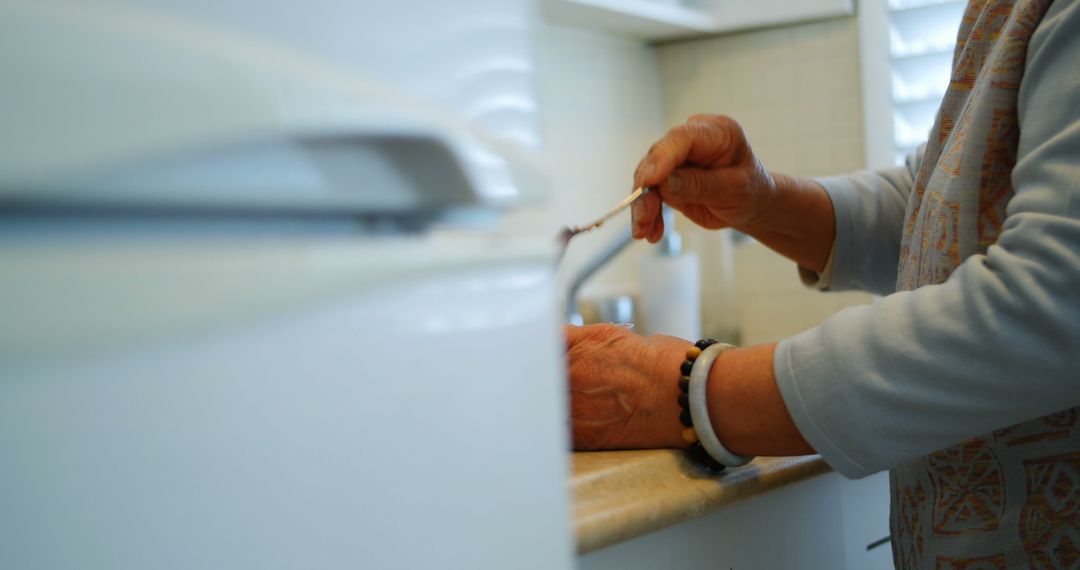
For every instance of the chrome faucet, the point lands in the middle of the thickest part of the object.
(669, 244)
(623, 239)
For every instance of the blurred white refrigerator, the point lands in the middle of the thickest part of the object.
(257, 308)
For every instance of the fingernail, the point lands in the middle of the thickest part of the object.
(647, 172)
(637, 211)
(674, 183)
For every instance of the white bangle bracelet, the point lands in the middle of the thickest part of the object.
(699, 410)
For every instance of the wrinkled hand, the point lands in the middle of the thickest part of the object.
(706, 170)
(623, 388)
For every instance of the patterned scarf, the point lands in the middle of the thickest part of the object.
(1008, 499)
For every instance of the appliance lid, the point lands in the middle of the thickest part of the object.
(116, 108)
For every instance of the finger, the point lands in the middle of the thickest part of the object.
(638, 169)
(645, 167)
(657, 231)
(718, 140)
(705, 140)
(700, 214)
(644, 213)
(703, 216)
(665, 156)
(703, 186)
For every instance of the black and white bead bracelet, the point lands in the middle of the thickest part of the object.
(705, 447)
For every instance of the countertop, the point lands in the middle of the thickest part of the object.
(619, 495)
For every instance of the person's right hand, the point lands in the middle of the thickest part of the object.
(706, 170)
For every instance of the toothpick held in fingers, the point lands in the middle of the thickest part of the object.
(574, 230)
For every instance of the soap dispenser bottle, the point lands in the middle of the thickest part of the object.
(670, 286)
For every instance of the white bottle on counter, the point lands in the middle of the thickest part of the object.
(671, 287)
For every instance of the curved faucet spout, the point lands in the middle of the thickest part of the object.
(623, 239)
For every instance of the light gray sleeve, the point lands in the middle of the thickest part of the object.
(998, 343)
(869, 210)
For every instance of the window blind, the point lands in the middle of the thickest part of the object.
(922, 34)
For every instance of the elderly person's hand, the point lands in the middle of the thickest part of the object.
(624, 394)
(707, 170)
(624, 388)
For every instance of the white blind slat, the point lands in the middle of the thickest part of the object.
(922, 34)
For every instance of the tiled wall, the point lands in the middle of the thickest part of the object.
(796, 92)
(772, 304)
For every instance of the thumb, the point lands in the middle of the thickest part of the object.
(700, 185)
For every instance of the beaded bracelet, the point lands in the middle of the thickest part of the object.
(705, 447)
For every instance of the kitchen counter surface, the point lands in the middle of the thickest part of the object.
(619, 495)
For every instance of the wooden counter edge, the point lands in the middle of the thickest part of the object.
(620, 495)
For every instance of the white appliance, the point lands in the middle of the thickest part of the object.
(255, 312)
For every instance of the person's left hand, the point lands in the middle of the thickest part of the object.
(624, 388)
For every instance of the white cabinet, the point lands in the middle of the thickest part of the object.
(670, 19)
(733, 15)
(823, 522)
(864, 506)
(798, 526)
